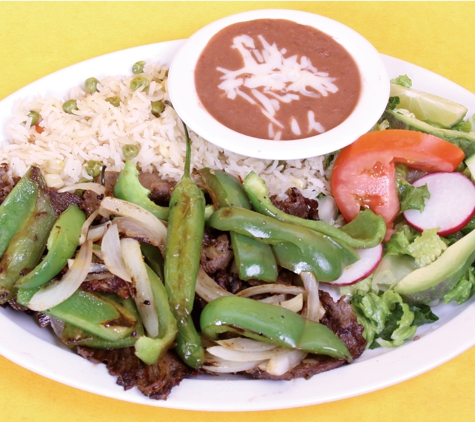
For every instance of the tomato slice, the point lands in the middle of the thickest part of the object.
(364, 174)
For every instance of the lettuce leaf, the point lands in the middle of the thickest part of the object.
(402, 80)
(424, 247)
(463, 290)
(387, 320)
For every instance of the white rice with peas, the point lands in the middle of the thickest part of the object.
(98, 131)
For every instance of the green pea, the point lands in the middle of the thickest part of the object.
(157, 108)
(139, 82)
(90, 85)
(130, 151)
(115, 101)
(93, 168)
(138, 67)
(34, 117)
(69, 106)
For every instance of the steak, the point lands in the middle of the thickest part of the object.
(154, 381)
(297, 205)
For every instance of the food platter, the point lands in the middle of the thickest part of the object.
(24, 343)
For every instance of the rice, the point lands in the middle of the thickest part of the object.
(98, 131)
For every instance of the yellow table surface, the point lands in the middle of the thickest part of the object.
(38, 38)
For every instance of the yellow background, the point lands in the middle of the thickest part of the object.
(38, 38)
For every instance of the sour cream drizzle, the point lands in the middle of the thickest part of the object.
(268, 78)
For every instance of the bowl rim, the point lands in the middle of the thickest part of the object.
(371, 104)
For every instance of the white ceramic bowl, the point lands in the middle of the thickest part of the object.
(371, 104)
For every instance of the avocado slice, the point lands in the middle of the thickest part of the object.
(430, 283)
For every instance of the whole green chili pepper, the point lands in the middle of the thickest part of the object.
(129, 188)
(61, 245)
(254, 259)
(150, 350)
(17, 207)
(270, 324)
(26, 247)
(313, 251)
(365, 231)
(182, 259)
(94, 313)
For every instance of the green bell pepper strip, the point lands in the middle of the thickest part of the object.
(129, 188)
(150, 350)
(94, 313)
(271, 324)
(182, 259)
(17, 207)
(225, 190)
(62, 242)
(75, 336)
(367, 230)
(315, 252)
(27, 246)
(254, 259)
(153, 258)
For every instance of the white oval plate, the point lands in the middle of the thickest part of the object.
(36, 349)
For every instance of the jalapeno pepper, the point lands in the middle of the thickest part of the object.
(270, 324)
(17, 207)
(26, 247)
(365, 231)
(254, 259)
(182, 259)
(310, 250)
(61, 245)
(129, 188)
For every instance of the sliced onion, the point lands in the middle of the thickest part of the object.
(215, 364)
(284, 362)
(131, 227)
(112, 255)
(98, 253)
(86, 225)
(146, 307)
(233, 355)
(327, 209)
(97, 267)
(274, 299)
(96, 233)
(246, 344)
(57, 292)
(271, 288)
(295, 304)
(95, 187)
(315, 309)
(127, 209)
(207, 288)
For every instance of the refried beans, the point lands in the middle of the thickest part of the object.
(276, 79)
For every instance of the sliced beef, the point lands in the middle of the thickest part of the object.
(61, 201)
(216, 252)
(108, 283)
(91, 202)
(155, 381)
(341, 319)
(5, 185)
(298, 205)
(306, 369)
(160, 189)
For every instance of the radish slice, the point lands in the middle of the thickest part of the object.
(369, 260)
(451, 204)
